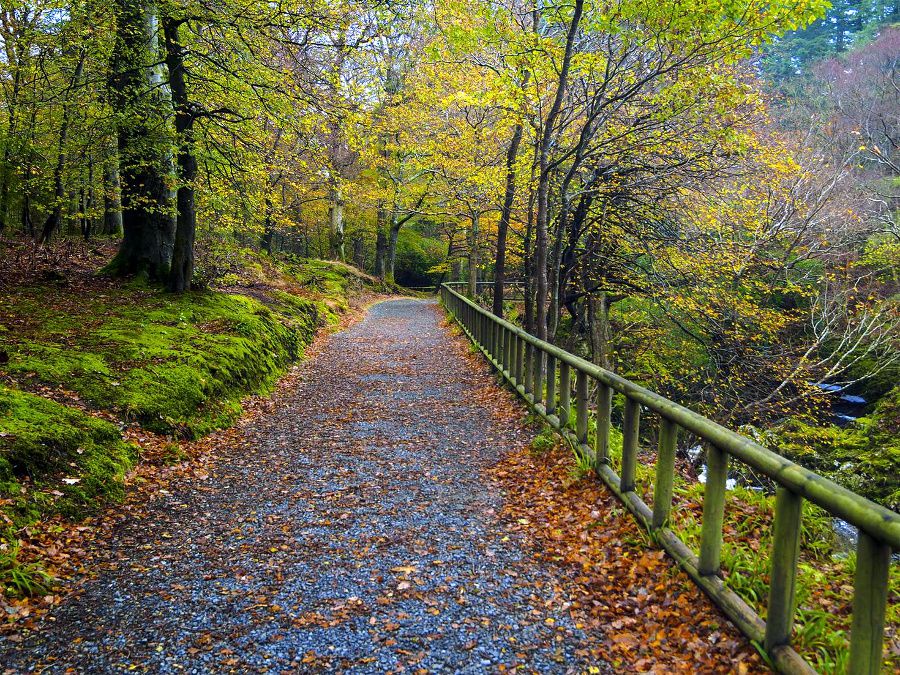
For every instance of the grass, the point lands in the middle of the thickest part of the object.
(18, 579)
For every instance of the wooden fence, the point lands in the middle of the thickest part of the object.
(542, 374)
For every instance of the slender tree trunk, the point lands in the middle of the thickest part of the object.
(555, 277)
(391, 257)
(381, 244)
(54, 220)
(598, 318)
(27, 222)
(336, 216)
(473, 258)
(112, 202)
(28, 225)
(528, 293)
(508, 199)
(6, 170)
(182, 270)
(547, 136)
(87, 222)
(540, 244)
(5, 179)
(359, 258)
(268, 228)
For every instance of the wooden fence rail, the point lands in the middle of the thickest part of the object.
(541, 373)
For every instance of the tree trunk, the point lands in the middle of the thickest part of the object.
(336, 216)
(473, 258)
(528, 291)
(381, 245)
(598, 318)
(27, 222)
(546, 138)
(148, 222)
(112, 201)
(182, 270)
(391, 257)
(87, 221)
(6, 171)
(359, 258)
(268, 229)
(556, 279)
(502, 229)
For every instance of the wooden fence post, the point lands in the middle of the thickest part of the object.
(604, 410)
(631, 426)
(783, 577)
(581, 407)
(551, 385)
(870, 591)
(665, 473)
(713, 510)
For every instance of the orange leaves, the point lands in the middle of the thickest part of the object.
(654, 620)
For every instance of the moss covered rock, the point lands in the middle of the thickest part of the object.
(56, 459)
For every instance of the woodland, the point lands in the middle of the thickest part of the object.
(702, 196)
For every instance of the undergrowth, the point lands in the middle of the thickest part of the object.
(825, 572)
(18, 579)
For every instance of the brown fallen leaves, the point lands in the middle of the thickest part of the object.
(652, 617)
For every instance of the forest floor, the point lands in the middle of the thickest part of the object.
(383, 511)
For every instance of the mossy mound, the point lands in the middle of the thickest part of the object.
(56, 459)
(176, 364)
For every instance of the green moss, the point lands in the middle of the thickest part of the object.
(862, 457)
(177, 364)
(52, 363)
(173, 363)
(69, 461)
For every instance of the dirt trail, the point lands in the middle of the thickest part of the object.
(355, 529)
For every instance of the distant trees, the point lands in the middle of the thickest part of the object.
(845, 23)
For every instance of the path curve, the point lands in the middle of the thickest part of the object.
(355, 529)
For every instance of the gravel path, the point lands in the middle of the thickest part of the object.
(354, 530)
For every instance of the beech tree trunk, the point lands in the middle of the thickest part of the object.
(381, 244)
(391, 257)
(336, 216)
(112, 201)
(148, 222)
(359, 258)
(473, 258)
